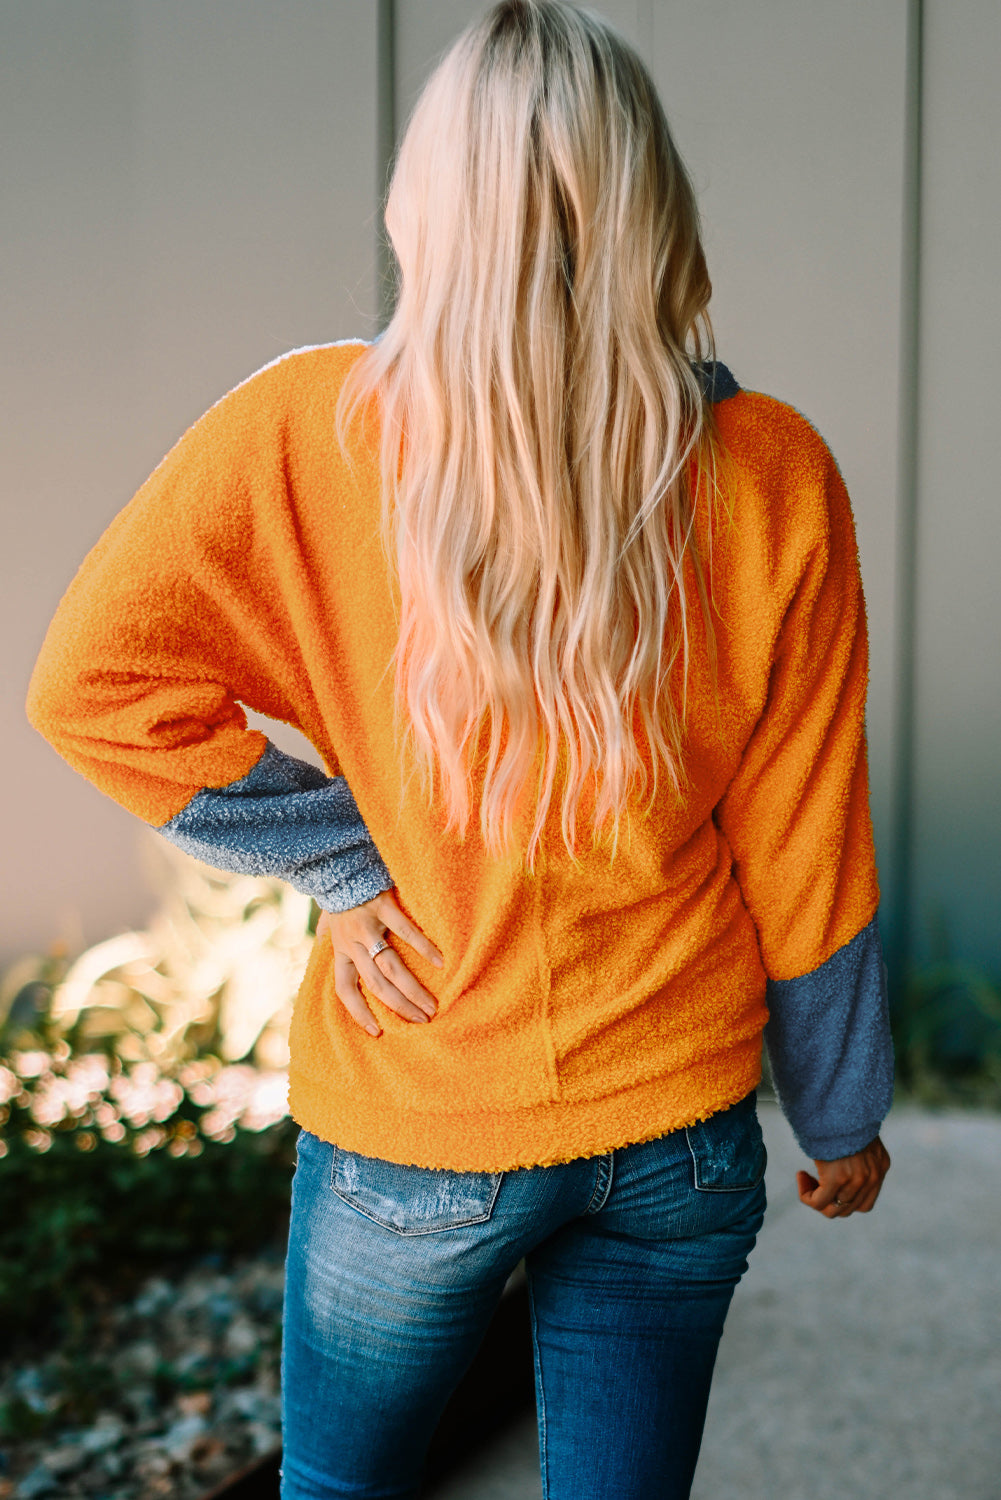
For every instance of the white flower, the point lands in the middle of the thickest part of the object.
(241, 1095)
(268, 1103)
(143, 1095)
(31, 1064)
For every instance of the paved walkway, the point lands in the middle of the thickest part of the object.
(862, 1357)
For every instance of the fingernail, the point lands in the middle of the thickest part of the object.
(372, 1030)
(438, 961)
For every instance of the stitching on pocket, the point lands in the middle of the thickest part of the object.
(394, 1210)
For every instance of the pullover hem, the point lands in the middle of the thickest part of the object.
(541, 1135)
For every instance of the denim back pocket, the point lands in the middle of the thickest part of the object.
(728, 1152)
(413, 1200)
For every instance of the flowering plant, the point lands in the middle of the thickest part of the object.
(143, 1090)
(95, 1098)
(163, 1037)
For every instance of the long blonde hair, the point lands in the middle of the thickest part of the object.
(544, 436)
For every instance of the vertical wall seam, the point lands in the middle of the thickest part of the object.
(900, 924)
(385, 136)
(645, 30)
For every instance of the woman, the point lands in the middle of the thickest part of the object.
(576, 626)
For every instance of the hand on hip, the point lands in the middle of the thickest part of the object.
(361, 952)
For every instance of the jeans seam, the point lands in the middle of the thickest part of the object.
(540, 1394)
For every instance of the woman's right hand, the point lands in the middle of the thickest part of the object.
(386, 976)
(849, 1185)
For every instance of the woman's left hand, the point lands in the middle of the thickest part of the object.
(848, 1185)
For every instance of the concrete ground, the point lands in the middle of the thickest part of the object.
(862, 1357)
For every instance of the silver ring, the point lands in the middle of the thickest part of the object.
(838, 1203)
(377, 947)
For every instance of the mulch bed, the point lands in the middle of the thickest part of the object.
(176, 1390)
(163, 1395)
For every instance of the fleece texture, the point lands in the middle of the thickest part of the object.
(828, 1040)
(828, 1032)
(594, 1003)
(288, 819)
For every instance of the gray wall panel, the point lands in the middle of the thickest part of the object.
(791, 118)
(957, 875)
(70, 444)
(188, 190)
(255, 205)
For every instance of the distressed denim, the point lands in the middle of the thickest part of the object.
(395, 1271)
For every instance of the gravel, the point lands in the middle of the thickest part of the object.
(164, 1395)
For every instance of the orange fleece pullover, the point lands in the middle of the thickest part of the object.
(585, 1007)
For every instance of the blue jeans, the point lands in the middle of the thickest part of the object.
(395, 1271)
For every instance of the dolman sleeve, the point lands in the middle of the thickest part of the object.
(796, 815)
(187, 609)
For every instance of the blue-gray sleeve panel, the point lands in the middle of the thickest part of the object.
(829, 1046)
(716, 380)
(288, 819)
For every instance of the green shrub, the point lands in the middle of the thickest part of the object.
(107, 1173)
(946, 1020)
(143, 1094)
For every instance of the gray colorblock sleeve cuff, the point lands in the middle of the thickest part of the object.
(829, 1046)
(288, 819)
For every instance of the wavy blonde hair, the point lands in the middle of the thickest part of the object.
(544, 436)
